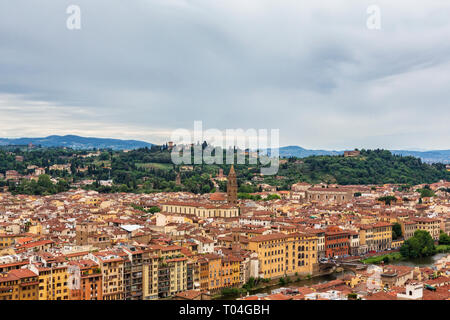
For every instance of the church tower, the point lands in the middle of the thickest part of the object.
(232, 187)
(178, 179)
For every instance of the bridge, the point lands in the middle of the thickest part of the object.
(346, 265)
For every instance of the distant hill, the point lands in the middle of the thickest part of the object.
(299, 152)
(442, 156)
(371, 167)
(77, 142)
(427, 156)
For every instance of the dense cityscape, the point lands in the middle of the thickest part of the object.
(240, 239)
(224, 159)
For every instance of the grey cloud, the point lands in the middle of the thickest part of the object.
(313, 70)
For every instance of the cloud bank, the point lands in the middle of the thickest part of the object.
(140, 69)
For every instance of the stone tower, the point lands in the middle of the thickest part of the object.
(178, 179)
(232, 187)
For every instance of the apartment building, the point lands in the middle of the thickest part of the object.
(285, 254)
(7, 240)
(150, 276)
(87, 233)
(337, 242)
(408, 228)
(428, 224)
(132, 273)
(177, 274)
(301, 253)
(445, 224)
(271, 254)
(375, 237)
(164, 272)
(53, 282)
(19, 284)
(112, 269)
(354, 243)
(9, 287)
(230, 272)
(85, 280)
(320, 234)
(210, 266)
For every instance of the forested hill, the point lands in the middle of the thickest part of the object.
(152, 170)
(77, 142)
(370, 167)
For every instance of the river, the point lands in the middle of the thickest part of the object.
(420, 262)
(305, 282)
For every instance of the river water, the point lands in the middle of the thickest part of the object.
(305, 282)
(421, 262)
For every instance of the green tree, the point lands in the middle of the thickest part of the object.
(387, 199)
(426, 192)
(420, 245)
(396, 231)
(444, 238)
(272, 197)
(44, 181)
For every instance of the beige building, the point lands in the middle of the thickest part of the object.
(111, 265)
(201, 210)
(328, 195)
(408, 228)
(87, 233)
(428, 224)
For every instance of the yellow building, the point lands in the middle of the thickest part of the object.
(230, 272)
(35, 228)
(7, 240)
(428, 224)
(368, 219)
(408, 228)
(95, 201)
(280, 254)
(178, 274)
(212, 271)
(375, 236)
(166, 273)
(271, 254)
(52, 282)
(301, 253)
(9, 287)
(111, 265)
(150, 278)
(397, 244)
(19, 284)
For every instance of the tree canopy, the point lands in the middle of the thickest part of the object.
(418, 246)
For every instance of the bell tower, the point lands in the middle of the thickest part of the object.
(232, 187)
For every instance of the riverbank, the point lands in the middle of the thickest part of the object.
(397, 257)
(394, 258)
(386, 258)
(267, 287)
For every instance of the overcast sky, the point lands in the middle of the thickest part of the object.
(140, 69)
